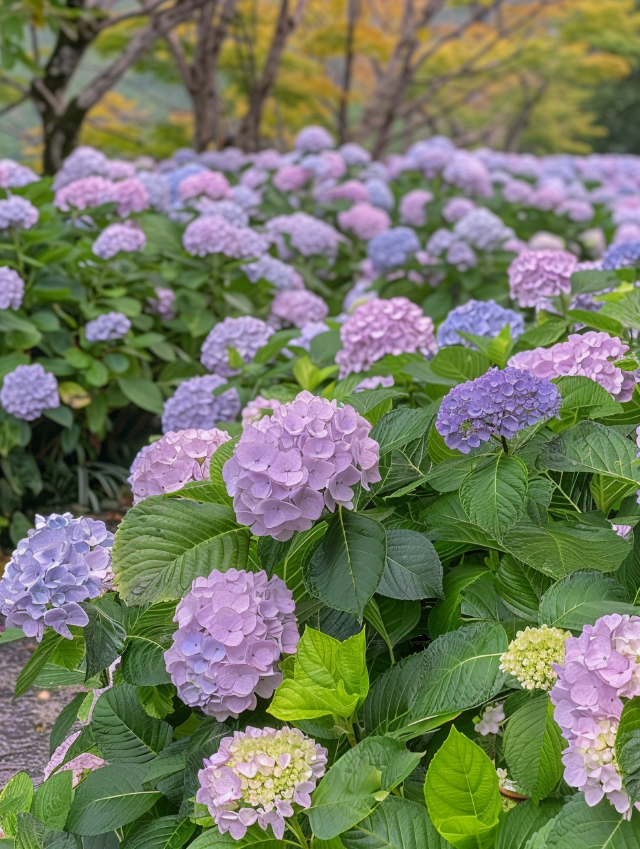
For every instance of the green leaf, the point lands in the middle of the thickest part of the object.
(60, 415)
(627, 748)
(395, 824)
(401, 426)
(591, 447)
(52, 800)
(255, 838)
(329, 677)
(64, 721)
(104, 634)
(32, 834)
(50, 642)
(163, 544)
(532, 748)
(157, 701)
(143, 393)
(203, 742)
(357, 782)
(109, 798)
(494, 495)
(462, 793)
(151, 635)
(581, 598)
(373, 403)
(347, 566)
(123, 731)
(583, 398)
(523, 821)
(392, 695)
(291, 568)
(16, 796)
(450, 366)
(394, 619)
(578, 826)
(220, 457)
(163, 833)
(412, 569)
(593, 280)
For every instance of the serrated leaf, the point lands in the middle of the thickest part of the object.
(395, 824)
(578, 826)
(592, 447)
(123, 731)
(151, 635)
(163, 833)
(532, 748)
(581, 598)
(412, 568)
(627, 748)
(104, 634)
(494, 496)
(52, 800)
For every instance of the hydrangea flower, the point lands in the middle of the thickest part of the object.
(84, 193)
(257, 776)
(163, 303)
(116, 238)
(482, 229)
(61, 562)
(618, 256)
(468, 173)
(590, 354)
(365, 220)
(289, 466)
(536, 275)
(84, 161)
(28, 391)
(306, 234)
(246, 334)
(351, 190)
(274, 271)
(545, 241)
(307, 332)
(412, 207)
(313, 139)
(291, 178)
(497, 403)
(227, 209)
(80, 765)
(440, 241)
(212, 234)
(17, 213)
(490, 720)
(461, 255)
(209, 184)
(255, 409)
(532, 657)
(518, 191)
(298, 307)
(392, 248)
(15, 176)
(194, 406)
(173, 461)
(107, 327)
(131, 196)
(354, 155)
(233, 628)
(11, 288)
(482, 318)
(379, 193)
(380, 327)
(120, 169)
(377, 382)
(456, 208)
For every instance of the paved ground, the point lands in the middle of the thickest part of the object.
(26, 722)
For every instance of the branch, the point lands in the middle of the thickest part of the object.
(15, 103)
(126, 16)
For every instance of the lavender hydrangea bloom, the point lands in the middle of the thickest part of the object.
(482, 229)
(274, 271)
(163, 304)
(84, 194)
(461, 255)
(498, 402)
(618, 256)
(308, 332)
(377, 382)
(84, 161)
(15, 176)
(212, 234)
(380, 194)
(482, 318)
(412, 207)
(255, 409)
(116, 238)
(298, 307)
(11, 288)
(291, 178)
(131, 196)
(365, 220)
(28, 391)
(257, 775)
(107, 327)
(289, 466)
(600, 669)
(173, 461)
(307, 235)
(591, 354)
(233, 628)
(440, 241)
(354, 155)
(79, 765)
(468, 173)
(227, 209)
(380, 327)
(211, 184)
(194, 406)
(392, 248)
(313, 139)
(17, 213)
(246, 334)
(61, 562)
(456, 208)
(536, 275)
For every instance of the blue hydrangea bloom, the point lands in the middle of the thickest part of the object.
(617, 256)
(482, 318)
(195, 406)
(392, 248)
(107, 327)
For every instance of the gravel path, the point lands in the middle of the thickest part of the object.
(26, 722)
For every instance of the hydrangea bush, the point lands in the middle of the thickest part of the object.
(378, 581)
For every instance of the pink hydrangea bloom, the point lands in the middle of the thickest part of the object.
(306, 234)
(79, 765)
(119, 237)
(468, 173)
(131, 196)
(352, 190)
(457, 208)
(298, 307)
(211, 184)
(255, 409)
(84, 194)
(536, 275)
(213, 234)
(364, 220)
(291, 178)
(412, 207)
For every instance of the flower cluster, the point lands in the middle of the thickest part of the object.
(306, 234)
(227, 209)
(532, 656)
(468, 173)
(80, 765)
(483, 229)
(84, 161)
(255, 409)
(246, 335)
(412, 207)
(481, 318)
(365, 220)
(257, 775)
(17, 213)
(461, 255)
(497, 403)
(163, 303)
(107, 327)
(392, 248)
(213, 234)
(119, 237)
(536, 275)
(15, 176)
(456, 208)
(274, 271)
(173, 461)
(617, 256)
(11, 289)
(211, 184)
(591, 354)
(490, 720)
(131, 196)
(62, 562)
(298, 307)
(289, 466)
(291, 178)
(314, 139)
(233, 628)
(194, 406)
(84, 193)
(28, 391)
(600, 669)
(380, 327)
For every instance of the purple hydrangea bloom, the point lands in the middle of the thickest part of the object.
(291, 178)
(131, 196)
(354, 155)
(306, 234)
(61, 562)
(298, 307)
(120, 169)
(377, 382)
(482, 318)
(107, 327)
(84, 161)
(600, 669)
(209, 184)
(392, 248)
(247, 198)
(289, 466)
(461, 255)
(364, 220)
(468, 173)
(591, 354)
(246, 334)
(380, 194)
(536, 275)
(456, 208)
(119, 237)
(412, 207)
(576, 209)
(227, 209)
(158, 189)
(163, 304)
(84, 193)
(498, 402)
(482, 229)
(351, 190)
(213, 234)
(307, 332)
(173, 461)
(518, 191)
(380, 327)
(314, 139)
(255, 409)
(194, 406)
(15, 176)
(233, 627)
(79, 765)
(257, 776)
(274, 271)
(617, 256)
(440, 241)
(17, 213)
(11, 288)
(28, 391)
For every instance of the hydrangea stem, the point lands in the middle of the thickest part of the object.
(296, 828)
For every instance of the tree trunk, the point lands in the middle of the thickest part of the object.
(353, 13)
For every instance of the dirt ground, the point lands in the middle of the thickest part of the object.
(25, 723)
